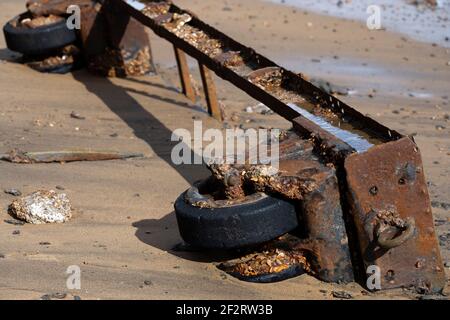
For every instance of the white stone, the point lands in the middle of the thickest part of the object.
(42, 207)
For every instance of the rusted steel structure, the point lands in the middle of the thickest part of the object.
(383, 198)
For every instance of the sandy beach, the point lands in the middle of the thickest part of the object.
(124, 231)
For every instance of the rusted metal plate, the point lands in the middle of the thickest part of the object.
(323, 221)
(93, 31)
(388, 195)
(114, 44)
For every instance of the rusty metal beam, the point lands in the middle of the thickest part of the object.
(210, 92)
(185, 77)
(295, 85)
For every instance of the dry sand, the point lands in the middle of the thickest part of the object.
(124, 228)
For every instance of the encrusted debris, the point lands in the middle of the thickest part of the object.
(121, 63)
(269, 261)
(390, 217)
(230, 59)
(299, 172)
(54, 7)
(178, 24)
(267, 78)
(42, 207)
(62, 61)
(271, 258)
(156, 9)
(37, 22)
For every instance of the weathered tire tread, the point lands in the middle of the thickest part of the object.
(40, 40)
(236, 226)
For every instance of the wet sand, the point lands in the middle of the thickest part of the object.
(124, 230)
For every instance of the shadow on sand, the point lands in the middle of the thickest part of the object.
(144, 124)
(160, 233)
(163, 234)
(10, 56)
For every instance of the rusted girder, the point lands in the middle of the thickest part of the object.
(210, 92)
(185, 77)
(237, 63)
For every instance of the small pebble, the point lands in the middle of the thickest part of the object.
(341, 295)
(14, 222)
(148, 282)
(76, 116)
(16, 232)
(51, 296)
(13, 192)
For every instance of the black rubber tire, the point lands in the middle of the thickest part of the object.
(40, 40)
(235, 226)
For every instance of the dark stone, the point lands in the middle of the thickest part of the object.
(148, 282)
(57, 295)
(13, 192)
(14, 222)
(341, 295)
